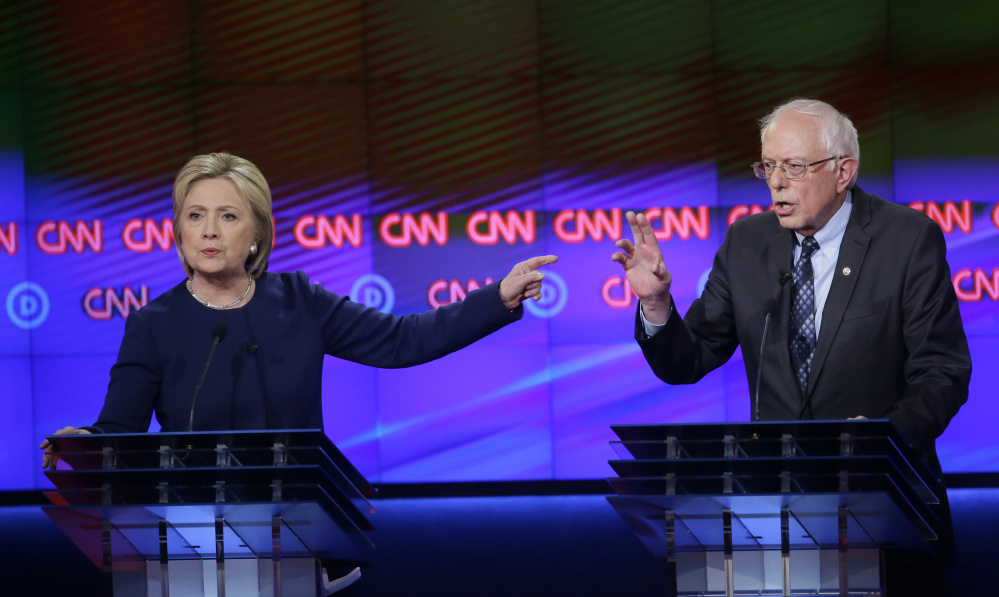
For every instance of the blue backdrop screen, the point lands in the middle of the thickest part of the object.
(418, 150)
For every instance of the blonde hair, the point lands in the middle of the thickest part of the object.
(252, 186)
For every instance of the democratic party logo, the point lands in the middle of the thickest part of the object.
(27, 305)
(374, 291)
(554, 296)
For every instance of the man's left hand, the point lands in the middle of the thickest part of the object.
(524, 281)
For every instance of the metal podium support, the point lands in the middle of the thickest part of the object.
(211, 513)
(782, 508)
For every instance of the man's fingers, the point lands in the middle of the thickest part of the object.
(648, 234)
(641, 230)
(636, 230)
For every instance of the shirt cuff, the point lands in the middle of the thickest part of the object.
(651, 329)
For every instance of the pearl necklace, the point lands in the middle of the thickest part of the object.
(190, 288)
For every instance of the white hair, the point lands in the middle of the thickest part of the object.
(839, 136)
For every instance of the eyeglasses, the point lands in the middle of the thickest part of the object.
(792, 169)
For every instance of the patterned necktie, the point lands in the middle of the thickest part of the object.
(803, 313)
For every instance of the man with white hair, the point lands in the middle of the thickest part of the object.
(842, 301)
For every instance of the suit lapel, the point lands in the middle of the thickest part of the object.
(852, 252)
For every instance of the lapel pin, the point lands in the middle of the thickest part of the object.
(846, 271)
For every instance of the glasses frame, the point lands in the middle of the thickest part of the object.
(759, 169)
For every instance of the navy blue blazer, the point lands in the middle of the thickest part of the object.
(267, 371)
(891, 345)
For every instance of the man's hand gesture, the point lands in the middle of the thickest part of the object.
(643, 263)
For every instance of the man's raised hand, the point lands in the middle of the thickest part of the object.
(643, 263)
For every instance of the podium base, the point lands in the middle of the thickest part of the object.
(762, 572)
(231, 577)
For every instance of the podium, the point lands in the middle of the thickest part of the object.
(211, 513)
(775, 508)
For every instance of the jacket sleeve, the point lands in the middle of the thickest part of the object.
(938, 362)
(135, 381)
(689, 348)
(365, 335)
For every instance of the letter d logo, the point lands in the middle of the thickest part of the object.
(27, 305)
(374, 291)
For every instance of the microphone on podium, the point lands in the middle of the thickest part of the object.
(783, 278)
(218, 334)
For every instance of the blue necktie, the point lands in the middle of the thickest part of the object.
(803, 313)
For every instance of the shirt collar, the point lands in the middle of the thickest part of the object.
(832, 233)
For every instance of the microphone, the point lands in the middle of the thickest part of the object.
(218, 334)
(251, 348)
(783, 278)
(759, 367)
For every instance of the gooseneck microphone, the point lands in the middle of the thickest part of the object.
(218, 334)
(783, 278)
(759, 367)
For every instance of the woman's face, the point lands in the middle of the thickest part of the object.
(216, 230)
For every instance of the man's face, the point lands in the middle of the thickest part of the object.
(803, 205)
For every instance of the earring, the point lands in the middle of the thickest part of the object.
(253, 249)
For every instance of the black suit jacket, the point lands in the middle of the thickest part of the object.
(891, 343)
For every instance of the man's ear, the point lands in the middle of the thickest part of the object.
(846, 171)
